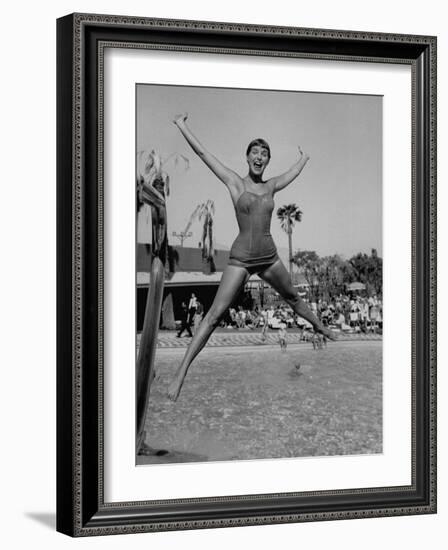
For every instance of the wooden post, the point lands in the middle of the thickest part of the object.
(148, 345)
(145, 370)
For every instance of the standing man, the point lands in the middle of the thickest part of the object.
(192, 307)
(185, 321)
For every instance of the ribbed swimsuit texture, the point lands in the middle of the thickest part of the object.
(254, 247)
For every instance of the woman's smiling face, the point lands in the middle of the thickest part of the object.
(257, 159)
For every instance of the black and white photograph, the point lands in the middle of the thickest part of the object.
(259, 274)
(220, 260)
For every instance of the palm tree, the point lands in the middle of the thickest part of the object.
(150, 170)
(152, 188)
(288, 215)
(206, 212)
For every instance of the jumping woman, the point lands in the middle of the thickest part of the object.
(254, 250)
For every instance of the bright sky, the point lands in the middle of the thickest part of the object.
(339, 190)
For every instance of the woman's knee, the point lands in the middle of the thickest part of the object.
(291, 296)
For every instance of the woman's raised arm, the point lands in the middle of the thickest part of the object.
(280, 182)
(227, 176)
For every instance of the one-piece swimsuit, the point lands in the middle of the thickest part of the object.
(254, 248)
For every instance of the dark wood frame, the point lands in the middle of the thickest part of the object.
(81, 510)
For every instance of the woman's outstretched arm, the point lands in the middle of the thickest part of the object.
(280, 182)
(227, 176)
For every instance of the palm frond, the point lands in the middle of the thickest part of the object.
(193, 216)
(206, 209)
(166, 180)
(288, 215)
(205, 212)
(157, 162)
(177, 158)
(145, 163)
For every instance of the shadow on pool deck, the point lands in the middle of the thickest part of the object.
(171, 457)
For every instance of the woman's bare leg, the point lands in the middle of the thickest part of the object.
(278, 277)
(232, 281)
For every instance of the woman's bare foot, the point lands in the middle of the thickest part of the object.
(328, 334)
(174, 389)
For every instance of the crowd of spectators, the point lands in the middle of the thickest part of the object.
(346, 313)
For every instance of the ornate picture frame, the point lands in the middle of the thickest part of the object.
(81, 506)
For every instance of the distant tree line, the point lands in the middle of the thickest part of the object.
(329, 276)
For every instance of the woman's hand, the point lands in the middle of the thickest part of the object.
(180, 119)
(227, 176)
(280, 182)
(302, 155)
